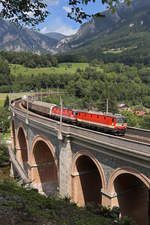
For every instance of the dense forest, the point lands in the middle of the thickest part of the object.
(123, 83)
(29, 59)
(117, 82)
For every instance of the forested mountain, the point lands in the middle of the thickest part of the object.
(13, 38)
(121, 37)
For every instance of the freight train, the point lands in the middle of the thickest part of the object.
(104, 122)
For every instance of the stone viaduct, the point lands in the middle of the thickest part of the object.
(84, 165)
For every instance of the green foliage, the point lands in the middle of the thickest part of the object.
(78, 14)
(30, 60)
(146, 101)
(104, 211)
(126, 221)
(4, 119)
(123, 44)
(6, 102)
(90, 84)
(58, 211)
(133, 119)
(5, 77)
(4, 67)
(145, 122)
(4, 155)
(34, 12)
(24, 12)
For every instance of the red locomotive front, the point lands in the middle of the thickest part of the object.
(101, 121)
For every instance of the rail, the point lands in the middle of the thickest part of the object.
(136, 147)
(138, 132)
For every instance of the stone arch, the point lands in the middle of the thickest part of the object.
(130, 189)
(87, 179)
(22, 147)
(44, 165)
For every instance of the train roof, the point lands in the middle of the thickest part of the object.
(94, 112)
(43, 103)
(99, 113)
(46, 104)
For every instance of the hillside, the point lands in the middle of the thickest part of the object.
(20, 206)
(119, 37)
(13, 38)
(127, 31)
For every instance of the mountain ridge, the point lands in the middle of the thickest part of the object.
(14, 38)
(127, 29)
(98, 29)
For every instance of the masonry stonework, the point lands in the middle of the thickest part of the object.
(79, 170)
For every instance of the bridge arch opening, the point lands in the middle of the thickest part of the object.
(21, 149)
(44, 167)
(86, 180)
(132, 196)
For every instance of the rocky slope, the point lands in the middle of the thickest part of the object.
(127, 28)
(13, 38)
(132, 19)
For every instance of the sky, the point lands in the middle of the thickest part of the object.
(57, 21)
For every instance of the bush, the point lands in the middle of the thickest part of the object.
(4, 155)
(126, 221)
(145, 123)
(146, 101)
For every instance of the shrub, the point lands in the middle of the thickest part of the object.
(4, 155)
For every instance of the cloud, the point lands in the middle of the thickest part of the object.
(52, 2)
(44, 30)
(63, 29)
(67, 9)
(1, 7)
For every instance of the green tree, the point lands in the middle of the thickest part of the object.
(6, 103)
(78, 14)
(4, 155)
(145, 123)
(4, 119)
(5, 76)
(146, 101)
(32, 12)
(133, 119)
(4, 67)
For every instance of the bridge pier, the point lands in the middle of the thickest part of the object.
(65, 164)
(108, 199)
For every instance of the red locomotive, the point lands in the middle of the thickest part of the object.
(112, 123)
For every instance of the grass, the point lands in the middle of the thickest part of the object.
(63, 68)
(12, 96)
(5, 173)
(118, 50)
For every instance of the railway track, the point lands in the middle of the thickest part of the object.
(134, 134)
(137, 138)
